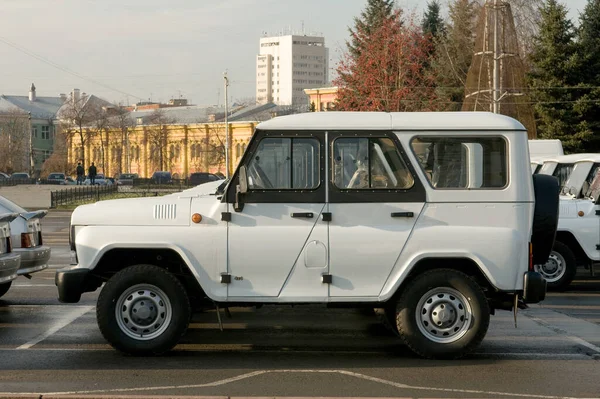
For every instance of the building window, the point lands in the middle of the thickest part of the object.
(34, 132)
(45, 132)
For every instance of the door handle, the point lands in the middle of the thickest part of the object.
(307, 215)
(403, 214)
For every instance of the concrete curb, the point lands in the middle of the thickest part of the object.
(75, 396)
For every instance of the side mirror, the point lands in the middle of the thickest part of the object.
(241, 189)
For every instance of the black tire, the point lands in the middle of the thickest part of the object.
(561, 281)
(545, 216)
(170, 331)
(454, 283)
(4, 287)
(387, 317)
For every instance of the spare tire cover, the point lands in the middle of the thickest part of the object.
(545, 217)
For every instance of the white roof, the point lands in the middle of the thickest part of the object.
(573, 158)
(545, 148)
(393, 121)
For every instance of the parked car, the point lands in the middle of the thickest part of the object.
(26, 237)
(202, 177)
(20, 176)
(100, 180)
(126, 179)
(9, 260)
(57, 178)
(577, 241)
(69, 181)
(4, 176)
(361, 213)
(162, 177)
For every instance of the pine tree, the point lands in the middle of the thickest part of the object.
(371, 18)
(554, 75)
(587, 105)
(454, 54)
(433, 24)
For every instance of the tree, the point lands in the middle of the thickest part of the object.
(157, 136)
(313, 107)
(389, 74)
(553, 77)
(587, 100)
(99, 126)
(454, 54)
(75, 115)
(433, 24)
(58, 161)
(121, 122)
(14, 141)
(371, 18)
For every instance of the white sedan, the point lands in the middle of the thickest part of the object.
(100, 180)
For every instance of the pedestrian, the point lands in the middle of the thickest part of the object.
(80, 172)
(92, 174)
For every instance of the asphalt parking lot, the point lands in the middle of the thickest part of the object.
(48, 348)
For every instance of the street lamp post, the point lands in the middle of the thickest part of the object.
(226, 127)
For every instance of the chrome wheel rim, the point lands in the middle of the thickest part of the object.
(443, 315)
(554, 269)
(143, 312)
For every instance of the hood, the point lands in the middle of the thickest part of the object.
(208, 188)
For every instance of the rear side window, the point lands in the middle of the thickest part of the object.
(463, 162)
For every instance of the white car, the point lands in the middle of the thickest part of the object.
(100, 180)
(9, 260)
(577, 241)
(433, 218)
(27, 240)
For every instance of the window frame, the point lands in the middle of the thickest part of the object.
(277, 196)
(467, 139)
(416, 193)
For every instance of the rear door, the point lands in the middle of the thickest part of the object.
(374, 201)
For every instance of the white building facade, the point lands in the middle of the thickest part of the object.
(289, 64)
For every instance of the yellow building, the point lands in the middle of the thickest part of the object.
(178, 148)
(324, 98)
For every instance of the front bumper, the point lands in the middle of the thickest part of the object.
(534, 287)
(9, 264)
(33, 259)
(74, 281)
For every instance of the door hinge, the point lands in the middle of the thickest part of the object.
(326, 216)
(326, 278)
(598, 212)
(226, 216)
(598, 247)
(226, 278)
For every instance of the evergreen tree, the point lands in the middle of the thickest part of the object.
(587, 105)
(554, 75)
(433, 24)
(371, 18)
(454, 54)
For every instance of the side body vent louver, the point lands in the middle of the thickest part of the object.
(165, 211)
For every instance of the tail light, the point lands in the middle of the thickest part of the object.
(8, 244)
(28, 240)
(530, 257)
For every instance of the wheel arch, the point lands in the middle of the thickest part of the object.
(115, 259)
(568, 238)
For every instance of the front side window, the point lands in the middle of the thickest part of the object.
(562, 173)
(463, 163)
(284, 164)
(369, 163)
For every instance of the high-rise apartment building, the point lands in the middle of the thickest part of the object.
(286, 65)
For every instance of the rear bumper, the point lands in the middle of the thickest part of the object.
(73, 281)
(534, 287)
(9, 264)
(33, 259)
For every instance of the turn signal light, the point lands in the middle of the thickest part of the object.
(530, 257)
(196, 218)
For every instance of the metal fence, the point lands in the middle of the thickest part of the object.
(172, 184)
(80, 193)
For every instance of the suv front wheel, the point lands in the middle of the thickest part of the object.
(143, 310)
(442, 314)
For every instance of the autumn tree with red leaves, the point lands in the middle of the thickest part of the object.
(389, 74)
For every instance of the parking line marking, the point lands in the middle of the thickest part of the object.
(583, 342)
(342, 372)
(65, 321)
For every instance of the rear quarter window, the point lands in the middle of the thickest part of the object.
(463, 162)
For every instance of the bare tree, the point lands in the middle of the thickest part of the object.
(14, 141)
(75, 116)
(157, 134)
(99, 126)
(121, 122)
(58, 161)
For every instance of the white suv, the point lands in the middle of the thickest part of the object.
(430, 217)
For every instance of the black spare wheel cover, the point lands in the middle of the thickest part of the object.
(545, 216)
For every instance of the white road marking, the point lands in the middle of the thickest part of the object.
(33, 285)
(263, 372)
(65, 321)
(585, 343)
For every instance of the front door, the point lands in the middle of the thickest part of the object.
(278, 241)
(374, 201)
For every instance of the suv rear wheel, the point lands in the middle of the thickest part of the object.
(561, 267)
(143, 310)
(442, 314)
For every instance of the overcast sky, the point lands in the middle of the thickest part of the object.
(127, 50)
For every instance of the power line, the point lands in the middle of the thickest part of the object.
(62, 68)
